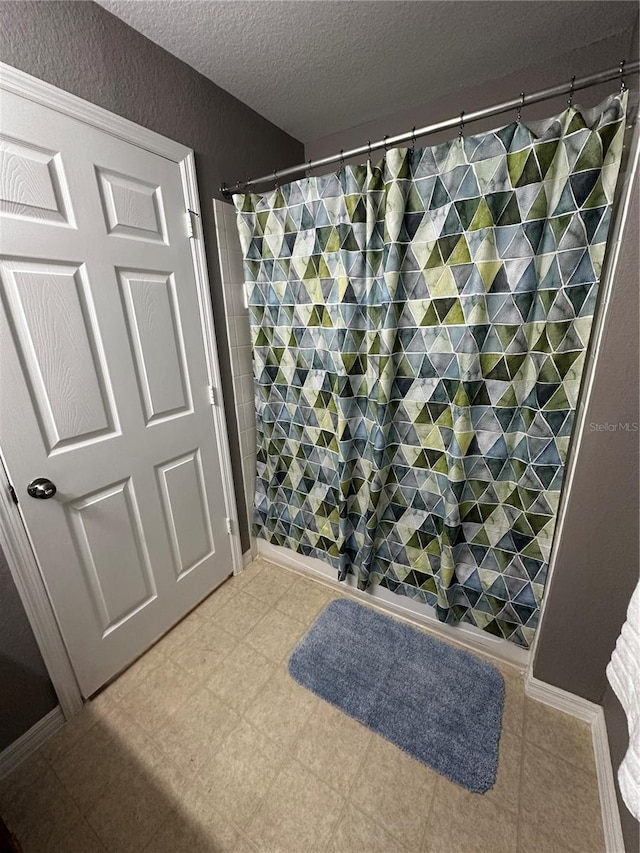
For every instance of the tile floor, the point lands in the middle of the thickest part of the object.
(207, 744)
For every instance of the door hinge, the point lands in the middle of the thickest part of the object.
(212, 396)
(228, 522)
(13, 494)
(192, 227)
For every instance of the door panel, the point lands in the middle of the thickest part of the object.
(187, 511)
(155, 334)
(117, 587)
(104, 386)
(48, 307)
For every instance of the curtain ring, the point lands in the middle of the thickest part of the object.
(369, 150)
(275, 178)
(308, 169)
(570, 101)
(623, 85)
(413, 138)
(342, 158)
(520, 106)
(461, 128)
(384, 142)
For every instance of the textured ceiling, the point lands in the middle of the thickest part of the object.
(315, 67)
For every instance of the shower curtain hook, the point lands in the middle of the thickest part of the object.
(623, 85)
(413, 138)
(275, 178)
(520, 106)
(369, 150)
(342, 158)
(308, 169)
(570, 101)
(384, 142)
(461, 128)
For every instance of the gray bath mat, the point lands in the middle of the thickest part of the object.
(439, 704)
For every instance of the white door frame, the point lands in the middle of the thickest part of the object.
(14, 537)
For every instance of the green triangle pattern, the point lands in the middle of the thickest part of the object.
(419, 331)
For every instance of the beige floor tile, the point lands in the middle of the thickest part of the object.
(533, 838)
(249, 573)
(129, 812)
(298, 813)
(270, 584)
(180, 634)
(218, 598)
(208, 834)
(239, 615)
(242, 772)
(81, 839)
(559, 733)
(513, 713)
(91, 764)
(563, 800)
(357, 833)
(36, 807)
(460, 820)
(394, 789)
(207, 647)
(65, 739)
(135, 674)
(151, 702)
(282, 709)
(240, 677)
(276, 635)
(332, 745)
(304, 600)
(191, 737)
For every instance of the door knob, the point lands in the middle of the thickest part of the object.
(41, 488)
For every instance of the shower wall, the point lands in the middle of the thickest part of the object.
(237, 317)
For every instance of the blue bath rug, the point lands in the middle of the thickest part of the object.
(439, 704)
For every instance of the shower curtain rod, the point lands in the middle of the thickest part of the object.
(459, 121)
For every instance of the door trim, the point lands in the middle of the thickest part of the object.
(14, 537)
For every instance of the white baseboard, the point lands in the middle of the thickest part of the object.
(31, 740)
(412, 611)
(593, 714)
(561, 700)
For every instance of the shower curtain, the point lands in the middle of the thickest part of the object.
(419, 331)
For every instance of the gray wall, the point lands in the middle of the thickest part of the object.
(598, 557)
(83, 49)
(27, 694)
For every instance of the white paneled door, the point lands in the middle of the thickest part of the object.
(105, 386)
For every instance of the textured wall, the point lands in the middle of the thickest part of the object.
(25, 690)
(82, 48)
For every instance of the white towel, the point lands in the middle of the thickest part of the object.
(623, 673)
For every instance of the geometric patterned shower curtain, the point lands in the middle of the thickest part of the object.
(419, 331)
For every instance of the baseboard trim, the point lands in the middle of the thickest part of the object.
(593, 714)
(468, 637)
(31, 740)
(613, 837)
(559, 699)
